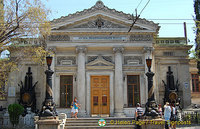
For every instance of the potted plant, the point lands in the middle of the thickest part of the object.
(15, 110)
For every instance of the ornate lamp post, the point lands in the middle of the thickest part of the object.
(48, 108)
(151, 106)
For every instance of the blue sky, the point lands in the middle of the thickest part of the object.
(156, 9)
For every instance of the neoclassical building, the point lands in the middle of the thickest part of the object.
(101, 63)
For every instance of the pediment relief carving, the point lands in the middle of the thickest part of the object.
(100, 61)
(100, 23)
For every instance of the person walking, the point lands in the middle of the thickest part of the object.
(167, 115)
(173, 117)
(138, 114)
(75, 108)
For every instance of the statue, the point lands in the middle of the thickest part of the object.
(171, 89)
(27, 93)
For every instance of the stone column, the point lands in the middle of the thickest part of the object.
(147, 54)
(118, 85)
(81, 90)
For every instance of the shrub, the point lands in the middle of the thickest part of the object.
(15, 110)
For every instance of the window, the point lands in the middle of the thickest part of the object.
(133, 90)
(195, 83)
(168, 53)
(66, 91)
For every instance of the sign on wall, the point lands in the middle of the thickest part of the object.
(186, 85)
(11, 91)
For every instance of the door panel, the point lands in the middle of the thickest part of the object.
(66, 91)
(100, 95)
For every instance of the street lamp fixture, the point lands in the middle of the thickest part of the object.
(48, 108)
(148, 62)
(49, 61)
(151, 106)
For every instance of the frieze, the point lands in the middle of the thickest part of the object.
(134, 58)
(141, 37)
(59, 38)
(123, 38)
(60, 59)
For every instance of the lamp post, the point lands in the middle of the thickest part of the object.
(151, 106)
(48, 108)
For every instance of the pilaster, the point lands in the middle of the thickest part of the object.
(81, 90)
(118, 88)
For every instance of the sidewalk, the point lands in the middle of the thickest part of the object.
(193, 127)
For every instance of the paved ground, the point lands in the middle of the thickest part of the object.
(193, 127)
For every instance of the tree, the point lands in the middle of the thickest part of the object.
(197, 20)
(24, 26)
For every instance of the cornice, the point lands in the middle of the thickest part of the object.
(99, 33)
(173, 47)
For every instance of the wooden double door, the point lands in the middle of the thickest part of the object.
(100, 99)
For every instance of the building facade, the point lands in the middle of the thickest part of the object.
(102, 64)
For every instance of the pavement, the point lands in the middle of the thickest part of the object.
(191, 127)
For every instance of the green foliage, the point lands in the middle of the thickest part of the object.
(15, 110)
(193, 54)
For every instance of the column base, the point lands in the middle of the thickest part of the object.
(119, 114)
(82, 113)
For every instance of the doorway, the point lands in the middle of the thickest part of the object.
(100, 99)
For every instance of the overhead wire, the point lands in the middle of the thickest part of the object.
(137, 17)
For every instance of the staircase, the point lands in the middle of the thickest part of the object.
(92, 123)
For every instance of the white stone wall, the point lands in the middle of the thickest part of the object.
(180, 68)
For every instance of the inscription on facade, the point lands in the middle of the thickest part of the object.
(141, 37)
(66, 60)
(132, 60)
(100, 38)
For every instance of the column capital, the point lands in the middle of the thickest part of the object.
(52, 49)
(81, 49)
(118, 49)
(148, 49)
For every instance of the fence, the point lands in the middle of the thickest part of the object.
(193, 116)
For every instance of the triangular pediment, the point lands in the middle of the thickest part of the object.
(101, 17)
(98, 22)
(100, 62)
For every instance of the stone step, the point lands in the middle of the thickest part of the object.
(107, 118)
(92, 123)
(97, 127)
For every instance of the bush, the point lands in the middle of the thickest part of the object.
(15, 110)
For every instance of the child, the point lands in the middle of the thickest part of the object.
(75, 108)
